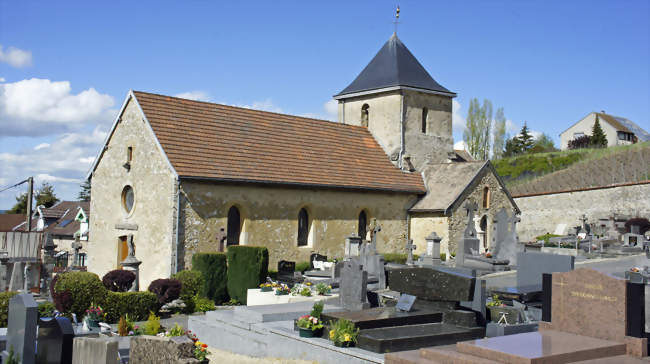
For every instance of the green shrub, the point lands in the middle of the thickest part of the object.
(302, 267)
(84, 288)
(192, 282)
(4, 306)
(397, 258)
(152, 326)
(203, 304)
(46, 309)
(213, 268)
(546, 237)
(443, 256)
(136, 305)
(247, 268)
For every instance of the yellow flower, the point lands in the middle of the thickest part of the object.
(308, 283)
(347, 337)
(332, 334)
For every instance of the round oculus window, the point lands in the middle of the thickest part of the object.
(127, 198)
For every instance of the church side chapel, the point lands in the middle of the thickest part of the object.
(181, 177)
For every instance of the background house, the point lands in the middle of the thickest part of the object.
(618, 130)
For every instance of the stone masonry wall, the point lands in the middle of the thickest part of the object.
(423, 224)
(498, 200)
(153, 183)
(270, 218)
(542, 213)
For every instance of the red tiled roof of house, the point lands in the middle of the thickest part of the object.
(212, 141)
(9, 221)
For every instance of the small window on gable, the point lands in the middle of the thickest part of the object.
(303, 227)
(425, 113)
(486, 197)
(365, 115)
(129, 154)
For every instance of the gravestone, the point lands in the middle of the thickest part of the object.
(410, 247)
(531, 266)
(500, 230)
(353, 286)
(102, 350)
(286, 270)
(352, 246)
(316, 257)
(55, 336)
(469, 244)
(432, 254)
(21, 329)
(507, 248)
(434, 284)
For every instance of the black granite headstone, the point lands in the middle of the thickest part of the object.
(316, 256)
(435, 284)
(55, 337)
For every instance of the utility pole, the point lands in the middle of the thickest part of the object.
(30, 193)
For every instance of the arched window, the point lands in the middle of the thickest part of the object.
(425, 112)
(234, 226)
(303, 227)
(365, 115)
(484, 233)
(486, 197)
(363, 224)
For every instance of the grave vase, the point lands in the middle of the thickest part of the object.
(344, 344)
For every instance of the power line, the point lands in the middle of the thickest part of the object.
(17, 184)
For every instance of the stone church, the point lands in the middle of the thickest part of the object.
(178, 174)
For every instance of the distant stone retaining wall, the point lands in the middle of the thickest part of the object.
(543, 212)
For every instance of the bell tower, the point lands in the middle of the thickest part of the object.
(404, 108)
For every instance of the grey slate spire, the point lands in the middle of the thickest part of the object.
(393, 66)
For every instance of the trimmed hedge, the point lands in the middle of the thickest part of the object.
(4, 306)
(214, 269)
(247, 268)
(191, 281)
(84, 288)
(398, 258)
(135, 304)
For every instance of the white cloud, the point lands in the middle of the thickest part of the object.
(43, 107)
(16, 57)
(2, 79)
(332, 109)
(41, 146)
(194, 95)
(460, 145)
(457, 120)
(64, 163)
(513, 129)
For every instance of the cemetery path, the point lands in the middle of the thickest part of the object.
(226, 357)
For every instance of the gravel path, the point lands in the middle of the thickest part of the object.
(226, 357)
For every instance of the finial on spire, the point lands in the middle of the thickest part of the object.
(396, 18)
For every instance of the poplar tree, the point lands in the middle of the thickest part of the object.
(499, 135)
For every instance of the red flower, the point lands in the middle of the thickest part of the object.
(205, 345)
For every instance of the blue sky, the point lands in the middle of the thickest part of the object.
(65, 67)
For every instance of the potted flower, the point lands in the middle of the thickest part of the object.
(305, 292)
(323, 289)
(94, 314)
(266, 287)
(310, 326)
(343, 333)
(201, 352)
(282, 290)
(499, 310)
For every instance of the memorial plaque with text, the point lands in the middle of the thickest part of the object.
(587, 302)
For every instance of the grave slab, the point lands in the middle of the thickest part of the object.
(435, 284)
(493, 329)
(400, 338)
(537, 347)
(255, 297)
(55, 337)
(384, 317)
(279, 312)
(94, 350)
(21, 328)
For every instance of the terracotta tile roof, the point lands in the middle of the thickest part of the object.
(9, 221)
(212, 141)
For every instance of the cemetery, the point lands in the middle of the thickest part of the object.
(358, 308)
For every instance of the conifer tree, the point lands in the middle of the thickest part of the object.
(525, 140)
(598, 138)
(84, 194)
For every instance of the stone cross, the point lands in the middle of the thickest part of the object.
(409, 249)
(376, 228)
(470, 230)
(76, 246)
(221, 239)
(21, 330)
